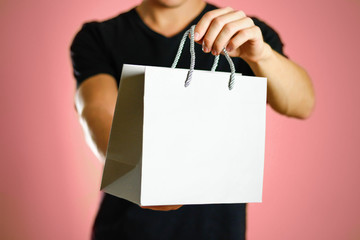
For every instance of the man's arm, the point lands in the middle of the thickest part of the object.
(95, 102)
(290, 91)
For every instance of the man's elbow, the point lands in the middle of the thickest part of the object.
(304, 109)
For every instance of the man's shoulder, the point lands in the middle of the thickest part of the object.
(110, 24)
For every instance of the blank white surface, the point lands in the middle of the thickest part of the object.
(203, 143)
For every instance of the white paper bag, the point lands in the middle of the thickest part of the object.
(201, 144)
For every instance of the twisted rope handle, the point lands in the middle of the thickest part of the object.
(192, 62)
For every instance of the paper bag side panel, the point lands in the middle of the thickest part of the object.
(124, 151)
(128, 186)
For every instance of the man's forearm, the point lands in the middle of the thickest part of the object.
(95, 103)
(96, 123)
(290, 90)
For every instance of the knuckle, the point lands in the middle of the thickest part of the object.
(241, 13)
(246, 33)
(249, 20)
(227, 28)
(217, 22)
(257, 29)
(208, 15)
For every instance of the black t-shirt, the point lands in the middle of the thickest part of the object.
(103, 47)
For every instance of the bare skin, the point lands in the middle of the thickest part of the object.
(290, 90)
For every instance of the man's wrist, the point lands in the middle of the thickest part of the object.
(266, 56)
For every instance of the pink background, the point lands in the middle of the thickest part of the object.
(49, 179)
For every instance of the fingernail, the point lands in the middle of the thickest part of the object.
(214, 52)
(205, 49)
(196, 36)
(229, 49)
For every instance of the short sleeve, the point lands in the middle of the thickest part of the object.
(89, 55)
(270, 36)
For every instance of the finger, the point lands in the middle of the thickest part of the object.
(243, 36)
(204, 23)
(229, 31)
(162, 208)
(217, 25)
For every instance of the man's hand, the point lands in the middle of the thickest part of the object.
(290, 90)
(233, 30)
(163, 208)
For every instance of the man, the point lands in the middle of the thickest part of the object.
(149, 35)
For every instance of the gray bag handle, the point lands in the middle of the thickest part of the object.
(192, 63)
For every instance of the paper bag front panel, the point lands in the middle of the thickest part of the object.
(204, 143)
